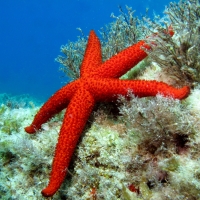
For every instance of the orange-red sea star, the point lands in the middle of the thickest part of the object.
(98, 82)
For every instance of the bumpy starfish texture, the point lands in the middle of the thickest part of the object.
(98, 82)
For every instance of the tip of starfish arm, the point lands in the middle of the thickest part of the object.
(48, 192)
(186, 92)
(30, 129)
(183, 92)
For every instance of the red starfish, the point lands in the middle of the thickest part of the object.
(98, 82)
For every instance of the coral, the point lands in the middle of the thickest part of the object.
(113, 154)
(149, 146)
(162, 130)
(179, 60)
(24, 161)
(125, 30)
(73, 52)
(19, 101)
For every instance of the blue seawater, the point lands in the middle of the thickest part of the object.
(31, 33)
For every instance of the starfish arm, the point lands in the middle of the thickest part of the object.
(75, 119)
(119, 64)
(54, 105)
(92, 57)
(108, 89)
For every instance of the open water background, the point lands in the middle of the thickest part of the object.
(31, 33)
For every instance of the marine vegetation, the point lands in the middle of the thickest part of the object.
(179, 59)
(137, 148)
